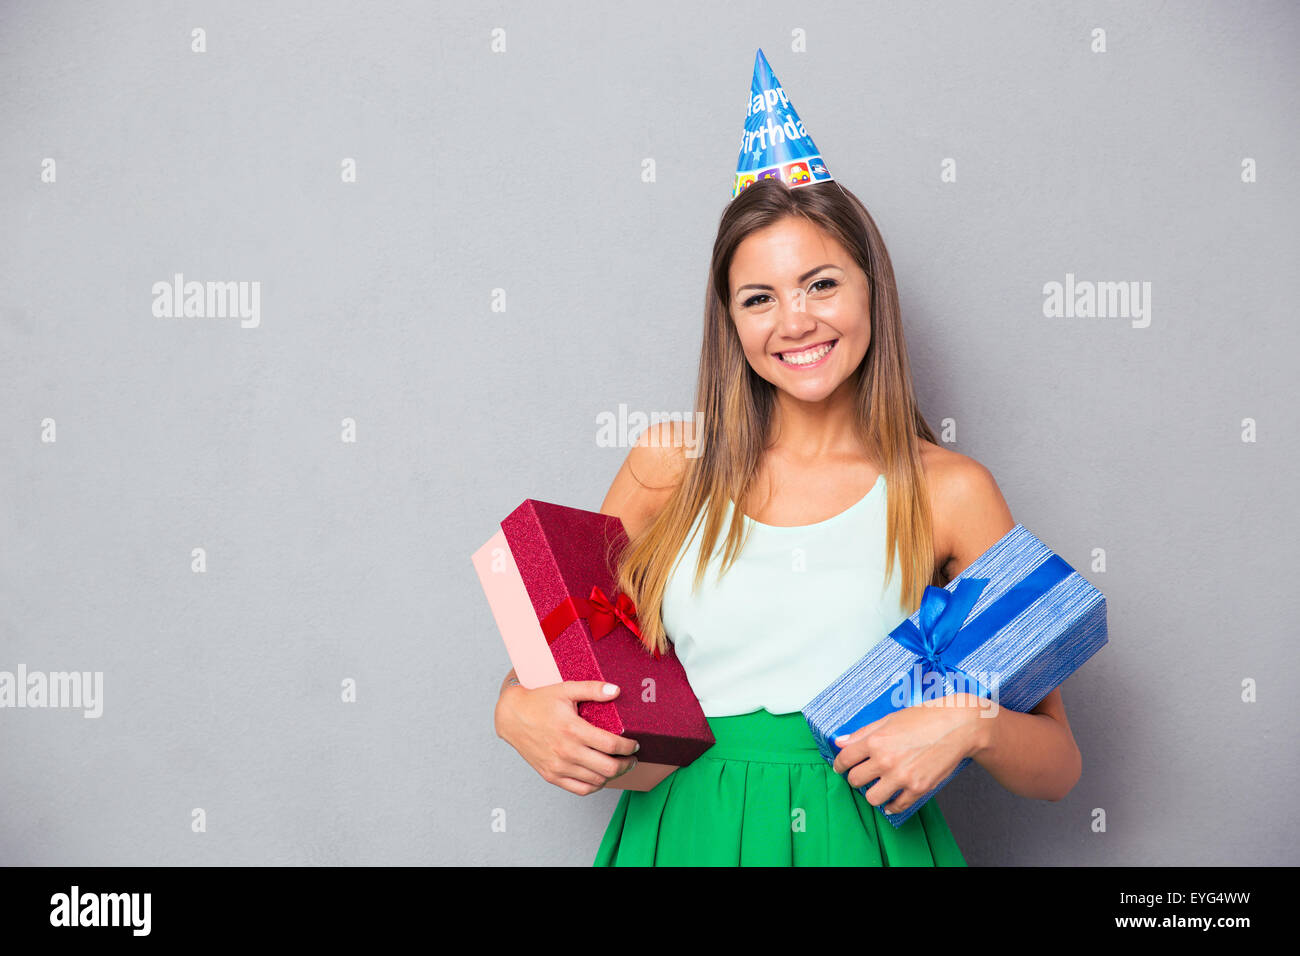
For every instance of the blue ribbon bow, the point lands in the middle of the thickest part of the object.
(941, 615)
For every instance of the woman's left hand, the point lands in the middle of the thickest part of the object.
(912, 749)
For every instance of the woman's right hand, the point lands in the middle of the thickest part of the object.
(544, 726)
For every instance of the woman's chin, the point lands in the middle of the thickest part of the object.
(813, 391)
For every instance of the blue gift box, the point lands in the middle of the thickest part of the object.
(1012, 626)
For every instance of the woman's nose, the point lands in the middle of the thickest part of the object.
(794, 318)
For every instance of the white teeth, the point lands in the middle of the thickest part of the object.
(805, 358)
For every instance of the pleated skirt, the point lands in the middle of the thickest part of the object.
(763, 795)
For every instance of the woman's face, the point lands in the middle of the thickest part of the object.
(794, 291)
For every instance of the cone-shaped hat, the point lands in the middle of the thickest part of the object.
(775, 144)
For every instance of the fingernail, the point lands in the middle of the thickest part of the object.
(637, 747)
(610, 688)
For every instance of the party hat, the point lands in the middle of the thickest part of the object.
(775, 144)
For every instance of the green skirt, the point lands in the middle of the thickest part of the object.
(763, 795)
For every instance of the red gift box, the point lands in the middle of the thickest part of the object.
(566, 560)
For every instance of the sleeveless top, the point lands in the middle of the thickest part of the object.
(798, 606)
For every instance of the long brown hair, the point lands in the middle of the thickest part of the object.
(737, 411)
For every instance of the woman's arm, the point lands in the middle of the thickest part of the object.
(1034, 754)
(506, 683)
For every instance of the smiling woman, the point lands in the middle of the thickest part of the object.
(771, 565)
(812, 459)
(813, 513)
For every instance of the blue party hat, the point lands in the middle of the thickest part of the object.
(775, 144)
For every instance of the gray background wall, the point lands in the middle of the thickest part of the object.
(520, 171)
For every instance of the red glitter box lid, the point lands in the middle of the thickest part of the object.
(562, 552)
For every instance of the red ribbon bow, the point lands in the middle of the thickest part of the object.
(602, 614)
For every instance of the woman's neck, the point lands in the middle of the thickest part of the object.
(817, 430)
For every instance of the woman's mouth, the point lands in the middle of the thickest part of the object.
(809, 357)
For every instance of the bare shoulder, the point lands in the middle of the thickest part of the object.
(970, 514)
(651, 472)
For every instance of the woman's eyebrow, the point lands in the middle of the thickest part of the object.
(802, 279)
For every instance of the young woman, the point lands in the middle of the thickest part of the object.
(826, 507)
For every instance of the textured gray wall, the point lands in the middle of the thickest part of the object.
(329, 560)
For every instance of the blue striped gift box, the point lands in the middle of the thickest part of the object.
(1051, 621)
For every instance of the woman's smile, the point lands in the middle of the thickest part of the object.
(808, 357)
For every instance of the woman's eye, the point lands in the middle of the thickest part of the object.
(816, 287)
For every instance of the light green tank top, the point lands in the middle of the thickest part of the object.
(796, 609)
